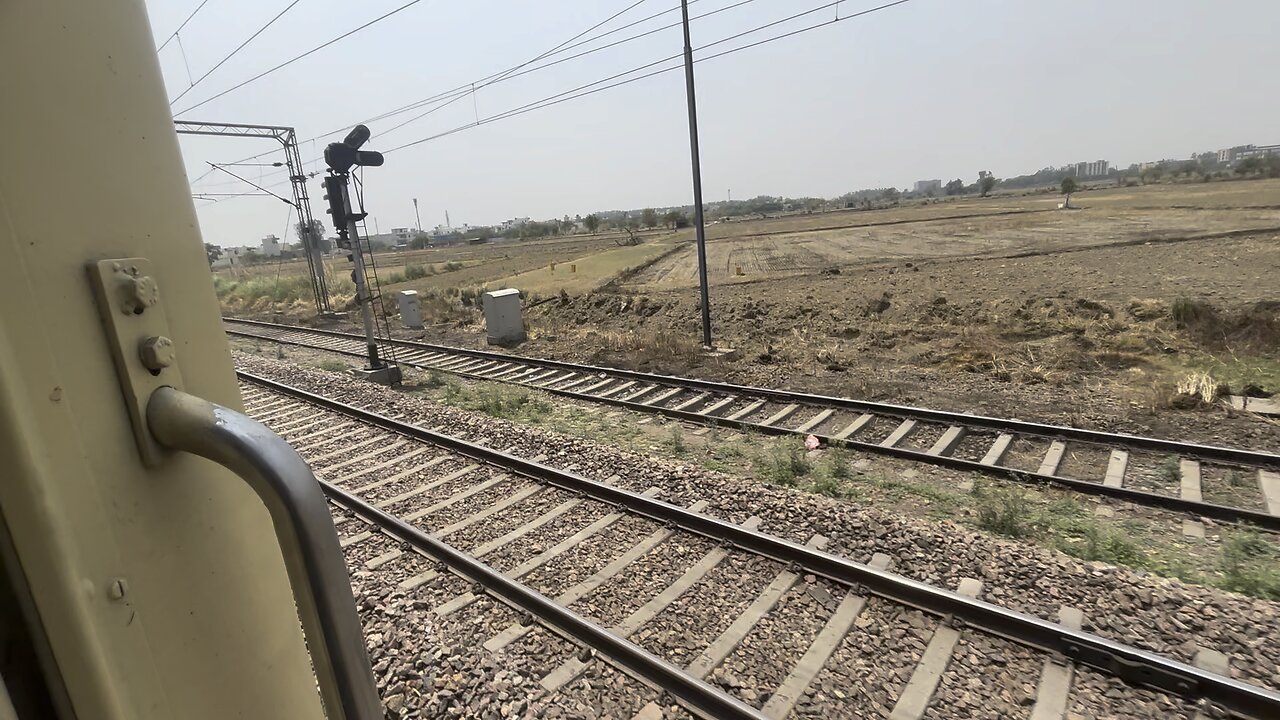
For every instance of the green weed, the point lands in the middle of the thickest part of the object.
(416, 272)
(500, 401)
(781, 463)
(836, 465)
(332, 365)
(676, 441)
(1003, 511)
(1110, 546)
(472, 296)
(1065, 516)
(829, 485)
(1250, 565)
(1189, 311)
(286, 289)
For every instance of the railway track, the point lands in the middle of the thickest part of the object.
(672, 596)
(1202, 481)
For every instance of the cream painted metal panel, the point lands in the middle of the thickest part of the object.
(205, 626)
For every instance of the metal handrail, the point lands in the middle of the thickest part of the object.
(304, 528)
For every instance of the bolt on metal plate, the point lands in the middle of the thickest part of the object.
(137, 331)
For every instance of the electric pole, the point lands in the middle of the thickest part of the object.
(700, 229)
(416, 216)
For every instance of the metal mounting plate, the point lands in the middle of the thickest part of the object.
(132, 311)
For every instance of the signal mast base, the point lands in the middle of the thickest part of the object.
(386, 375)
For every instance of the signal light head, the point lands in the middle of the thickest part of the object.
(368, 158)
(333, 193)
(358, 136)
(340, 157)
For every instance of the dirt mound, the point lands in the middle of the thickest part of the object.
(1254, 327)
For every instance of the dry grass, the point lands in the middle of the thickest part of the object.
(1198, 385)
(1254, 327)
(641, 345)
(583, 274)
(811, 244)
(286, 294)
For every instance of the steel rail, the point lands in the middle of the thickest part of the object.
(697, 694)
(1133, 665)
(1172, 503)
(1206, 452)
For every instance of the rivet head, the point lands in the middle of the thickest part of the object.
(117, 588)
(140, 293)
(156, 352)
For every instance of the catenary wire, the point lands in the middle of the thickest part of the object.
(184, 24)
(582, 91)
(557, 62)
(186, 63)
(466, 88)
(590, 89)
(233, 53)
(249, 182)
(298, 57)
(510, 72)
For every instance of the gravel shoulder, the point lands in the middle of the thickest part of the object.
(1164, 616)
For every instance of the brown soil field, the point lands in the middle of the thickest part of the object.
(483, 263)
(1090, 317)
(808, 244)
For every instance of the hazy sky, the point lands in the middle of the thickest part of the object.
(929, 89)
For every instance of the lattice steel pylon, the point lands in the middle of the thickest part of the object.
(297, 178)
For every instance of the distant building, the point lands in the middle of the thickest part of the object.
(1097, 168)
(928, 186)
(271, 246)
(382, 240)
(1231, 154)
(232, 256)
(513, 223)
(1240, 152)
(446, 230)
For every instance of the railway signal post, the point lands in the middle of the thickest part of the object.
(341, 157)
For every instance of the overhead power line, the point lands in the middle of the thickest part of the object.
(557, 62)
(583, 90)
(249, 182)
(511, 72)
(591, 88)
(465, 89)
(184, 24)
(232, 54)
(296, 58)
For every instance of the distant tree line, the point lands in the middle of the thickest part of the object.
(1201, 166)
